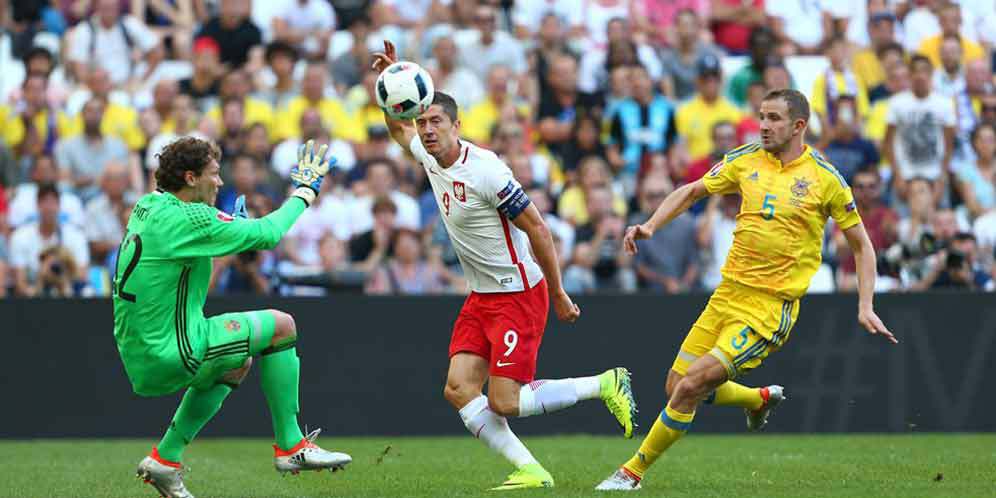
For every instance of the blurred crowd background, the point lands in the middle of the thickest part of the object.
(600, 107)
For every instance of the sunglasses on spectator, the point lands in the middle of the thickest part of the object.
(865, 185)
(656, 193)
(989, 108)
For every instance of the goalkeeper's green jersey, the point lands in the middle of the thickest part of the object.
(161, 280)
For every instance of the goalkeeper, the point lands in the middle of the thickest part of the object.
(160, 285)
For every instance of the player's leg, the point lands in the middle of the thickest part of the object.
(464, 381)
(704, 375)
(515, 340)
(198, 406)
(730, 393)
(280, 372)
(162, 468)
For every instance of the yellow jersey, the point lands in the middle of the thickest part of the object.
(779, 231)
(695, 119)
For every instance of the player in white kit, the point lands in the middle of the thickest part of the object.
(498, 332)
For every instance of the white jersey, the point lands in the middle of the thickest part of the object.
(477, 197)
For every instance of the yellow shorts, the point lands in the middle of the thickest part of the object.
(740, 326)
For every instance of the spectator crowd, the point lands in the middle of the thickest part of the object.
(601, 108)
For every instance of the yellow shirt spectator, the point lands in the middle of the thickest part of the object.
(340, 123)
(256, 111)
(868, 68)
(119, 121)
(14, 130)
(931, 47)
(573, 206)
(696, 118)
(844, 83)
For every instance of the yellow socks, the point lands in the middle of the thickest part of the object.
(732, 394)
(667, 429)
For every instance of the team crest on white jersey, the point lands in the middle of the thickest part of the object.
(460, 191)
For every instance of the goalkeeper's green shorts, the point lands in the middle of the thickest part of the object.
(231, 338)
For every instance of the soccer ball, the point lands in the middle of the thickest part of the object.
(404, 90)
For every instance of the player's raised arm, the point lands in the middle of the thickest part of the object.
(864, 261)
(210, 232)
(402, 131)
(673, 205)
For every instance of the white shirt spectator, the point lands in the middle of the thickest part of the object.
(722, 241)
(505, 50)
(476, 195)
(330, 216)
(27, 244)
(361, 213)
(595, 19)
(110, 48)
(802, 20)
(314, 15)
(921, 24)
(285, 155)
(24, 207)
(593, 77)
(159, 142)
(462, 84)
(920, 123)
(529, 15)
(985, 231)
(947, 86)
(102, 222)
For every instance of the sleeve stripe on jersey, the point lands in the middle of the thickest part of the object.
(180, 324)
(743, 149)
(829, 167)
(511, 252)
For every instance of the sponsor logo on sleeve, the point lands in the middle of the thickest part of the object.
(850, 207)
(503, 193)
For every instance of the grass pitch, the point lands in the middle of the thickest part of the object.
(740, 466)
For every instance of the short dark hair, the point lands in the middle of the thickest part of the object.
(184, 154)
(798, 106)
(447, 103)
(36, 52)
(47, 189)
(981, 126)
(280, 47)
(920, 59)
(891, 47)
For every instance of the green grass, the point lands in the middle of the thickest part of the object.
(741, 466)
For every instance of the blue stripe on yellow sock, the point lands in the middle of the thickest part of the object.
(674, 424)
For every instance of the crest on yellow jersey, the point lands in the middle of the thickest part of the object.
(801, 187)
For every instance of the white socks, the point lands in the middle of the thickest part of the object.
(545, 396)
(487, 426)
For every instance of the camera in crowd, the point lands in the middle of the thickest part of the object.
(56, 271)
(891, 261)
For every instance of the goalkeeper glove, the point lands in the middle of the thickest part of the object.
(240, 208)
(311, 168)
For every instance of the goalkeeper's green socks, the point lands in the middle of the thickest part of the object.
(280, 370)
(197, 407)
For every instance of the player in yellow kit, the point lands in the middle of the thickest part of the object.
(789, 190)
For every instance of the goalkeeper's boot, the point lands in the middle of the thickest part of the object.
(773, 396)
(306, 455)
(617, 394)
(531, 475)
(165, 476)
(620, 480)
